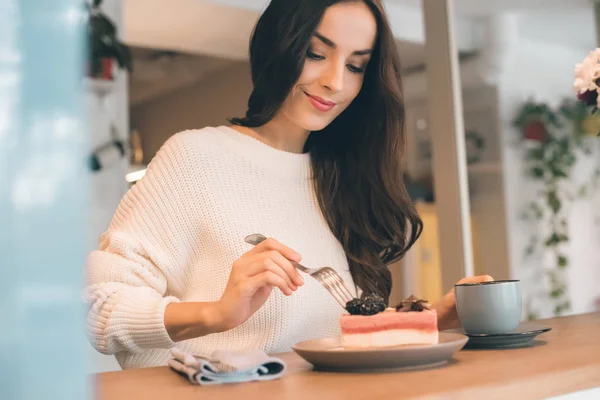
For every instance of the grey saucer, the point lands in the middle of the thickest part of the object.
(328, 354)
(525, 333)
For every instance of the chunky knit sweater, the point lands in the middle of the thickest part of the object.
(177, 232)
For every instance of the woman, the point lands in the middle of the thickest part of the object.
(314, 165)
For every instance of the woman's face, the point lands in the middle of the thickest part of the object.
(334, 67)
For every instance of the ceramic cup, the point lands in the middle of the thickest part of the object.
(489, 307)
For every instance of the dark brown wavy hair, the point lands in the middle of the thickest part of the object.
(356, 159)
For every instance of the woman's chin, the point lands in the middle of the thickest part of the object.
(314, 124)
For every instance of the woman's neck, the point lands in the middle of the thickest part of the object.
(279, 133)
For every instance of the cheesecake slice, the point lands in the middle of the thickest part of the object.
(409, 323)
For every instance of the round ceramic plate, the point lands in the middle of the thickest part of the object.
(328, 354)
(521, 336)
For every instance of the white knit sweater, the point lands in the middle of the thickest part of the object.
(177, 232)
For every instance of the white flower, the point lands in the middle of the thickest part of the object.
(588, 72)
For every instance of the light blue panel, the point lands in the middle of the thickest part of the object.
(43, 200)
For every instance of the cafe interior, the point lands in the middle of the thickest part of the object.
(501, 162)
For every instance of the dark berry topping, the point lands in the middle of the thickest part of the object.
(353, 306)
(369, 304)
(413, 304)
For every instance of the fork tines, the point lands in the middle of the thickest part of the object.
(336, 286)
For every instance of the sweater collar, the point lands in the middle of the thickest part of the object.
(282, 163)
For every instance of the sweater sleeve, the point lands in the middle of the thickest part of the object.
(136, 270)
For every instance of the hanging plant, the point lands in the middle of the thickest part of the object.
(533, 121)
(555, 141)
(103, 44)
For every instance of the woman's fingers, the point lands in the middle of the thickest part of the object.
(272, 244)
(282, 259)
(267, 264)
(285, 265)
(476, 279)
(268, 278)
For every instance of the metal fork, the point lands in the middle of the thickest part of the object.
(326, 275)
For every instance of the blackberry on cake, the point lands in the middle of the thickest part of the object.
(370, 304)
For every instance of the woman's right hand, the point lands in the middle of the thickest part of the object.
(253, 277)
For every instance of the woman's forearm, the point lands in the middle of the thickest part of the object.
(189, 320)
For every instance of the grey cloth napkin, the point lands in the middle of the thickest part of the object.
(227, 366)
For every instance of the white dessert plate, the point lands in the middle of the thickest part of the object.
(328, 354)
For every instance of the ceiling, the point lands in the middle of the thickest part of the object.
(221, 28)
(158, 72)
(472, 7)
(567, 22)
(487, 7)
(203, 36)
(191, 26)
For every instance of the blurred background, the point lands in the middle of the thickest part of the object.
(531, 152)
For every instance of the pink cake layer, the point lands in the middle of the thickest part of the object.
(390, 338)
(424, 321)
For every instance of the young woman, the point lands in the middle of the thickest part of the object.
(314, 165)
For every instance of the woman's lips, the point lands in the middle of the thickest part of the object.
(320, 103)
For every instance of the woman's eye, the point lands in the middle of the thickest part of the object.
(355, 69)
(314, 56)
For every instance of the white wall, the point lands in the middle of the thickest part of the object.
(534, 68)
(108, 185)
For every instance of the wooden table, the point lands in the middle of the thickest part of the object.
(565, 360)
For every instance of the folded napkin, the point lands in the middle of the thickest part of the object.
(227, 366)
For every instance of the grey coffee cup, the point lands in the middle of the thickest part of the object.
(489, 307)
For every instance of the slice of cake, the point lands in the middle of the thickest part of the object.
(370, 324)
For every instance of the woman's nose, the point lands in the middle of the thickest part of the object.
(333, 78)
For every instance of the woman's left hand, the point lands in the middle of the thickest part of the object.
(446, 306)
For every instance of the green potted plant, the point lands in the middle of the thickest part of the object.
(533, 120)
(104, 47)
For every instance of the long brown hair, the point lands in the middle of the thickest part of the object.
(356, 159)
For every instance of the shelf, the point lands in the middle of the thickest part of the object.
(99, 87)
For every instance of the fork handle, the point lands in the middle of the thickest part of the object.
(300, 267)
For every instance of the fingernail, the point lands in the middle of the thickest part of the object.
(301, 279)
(297, 257)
